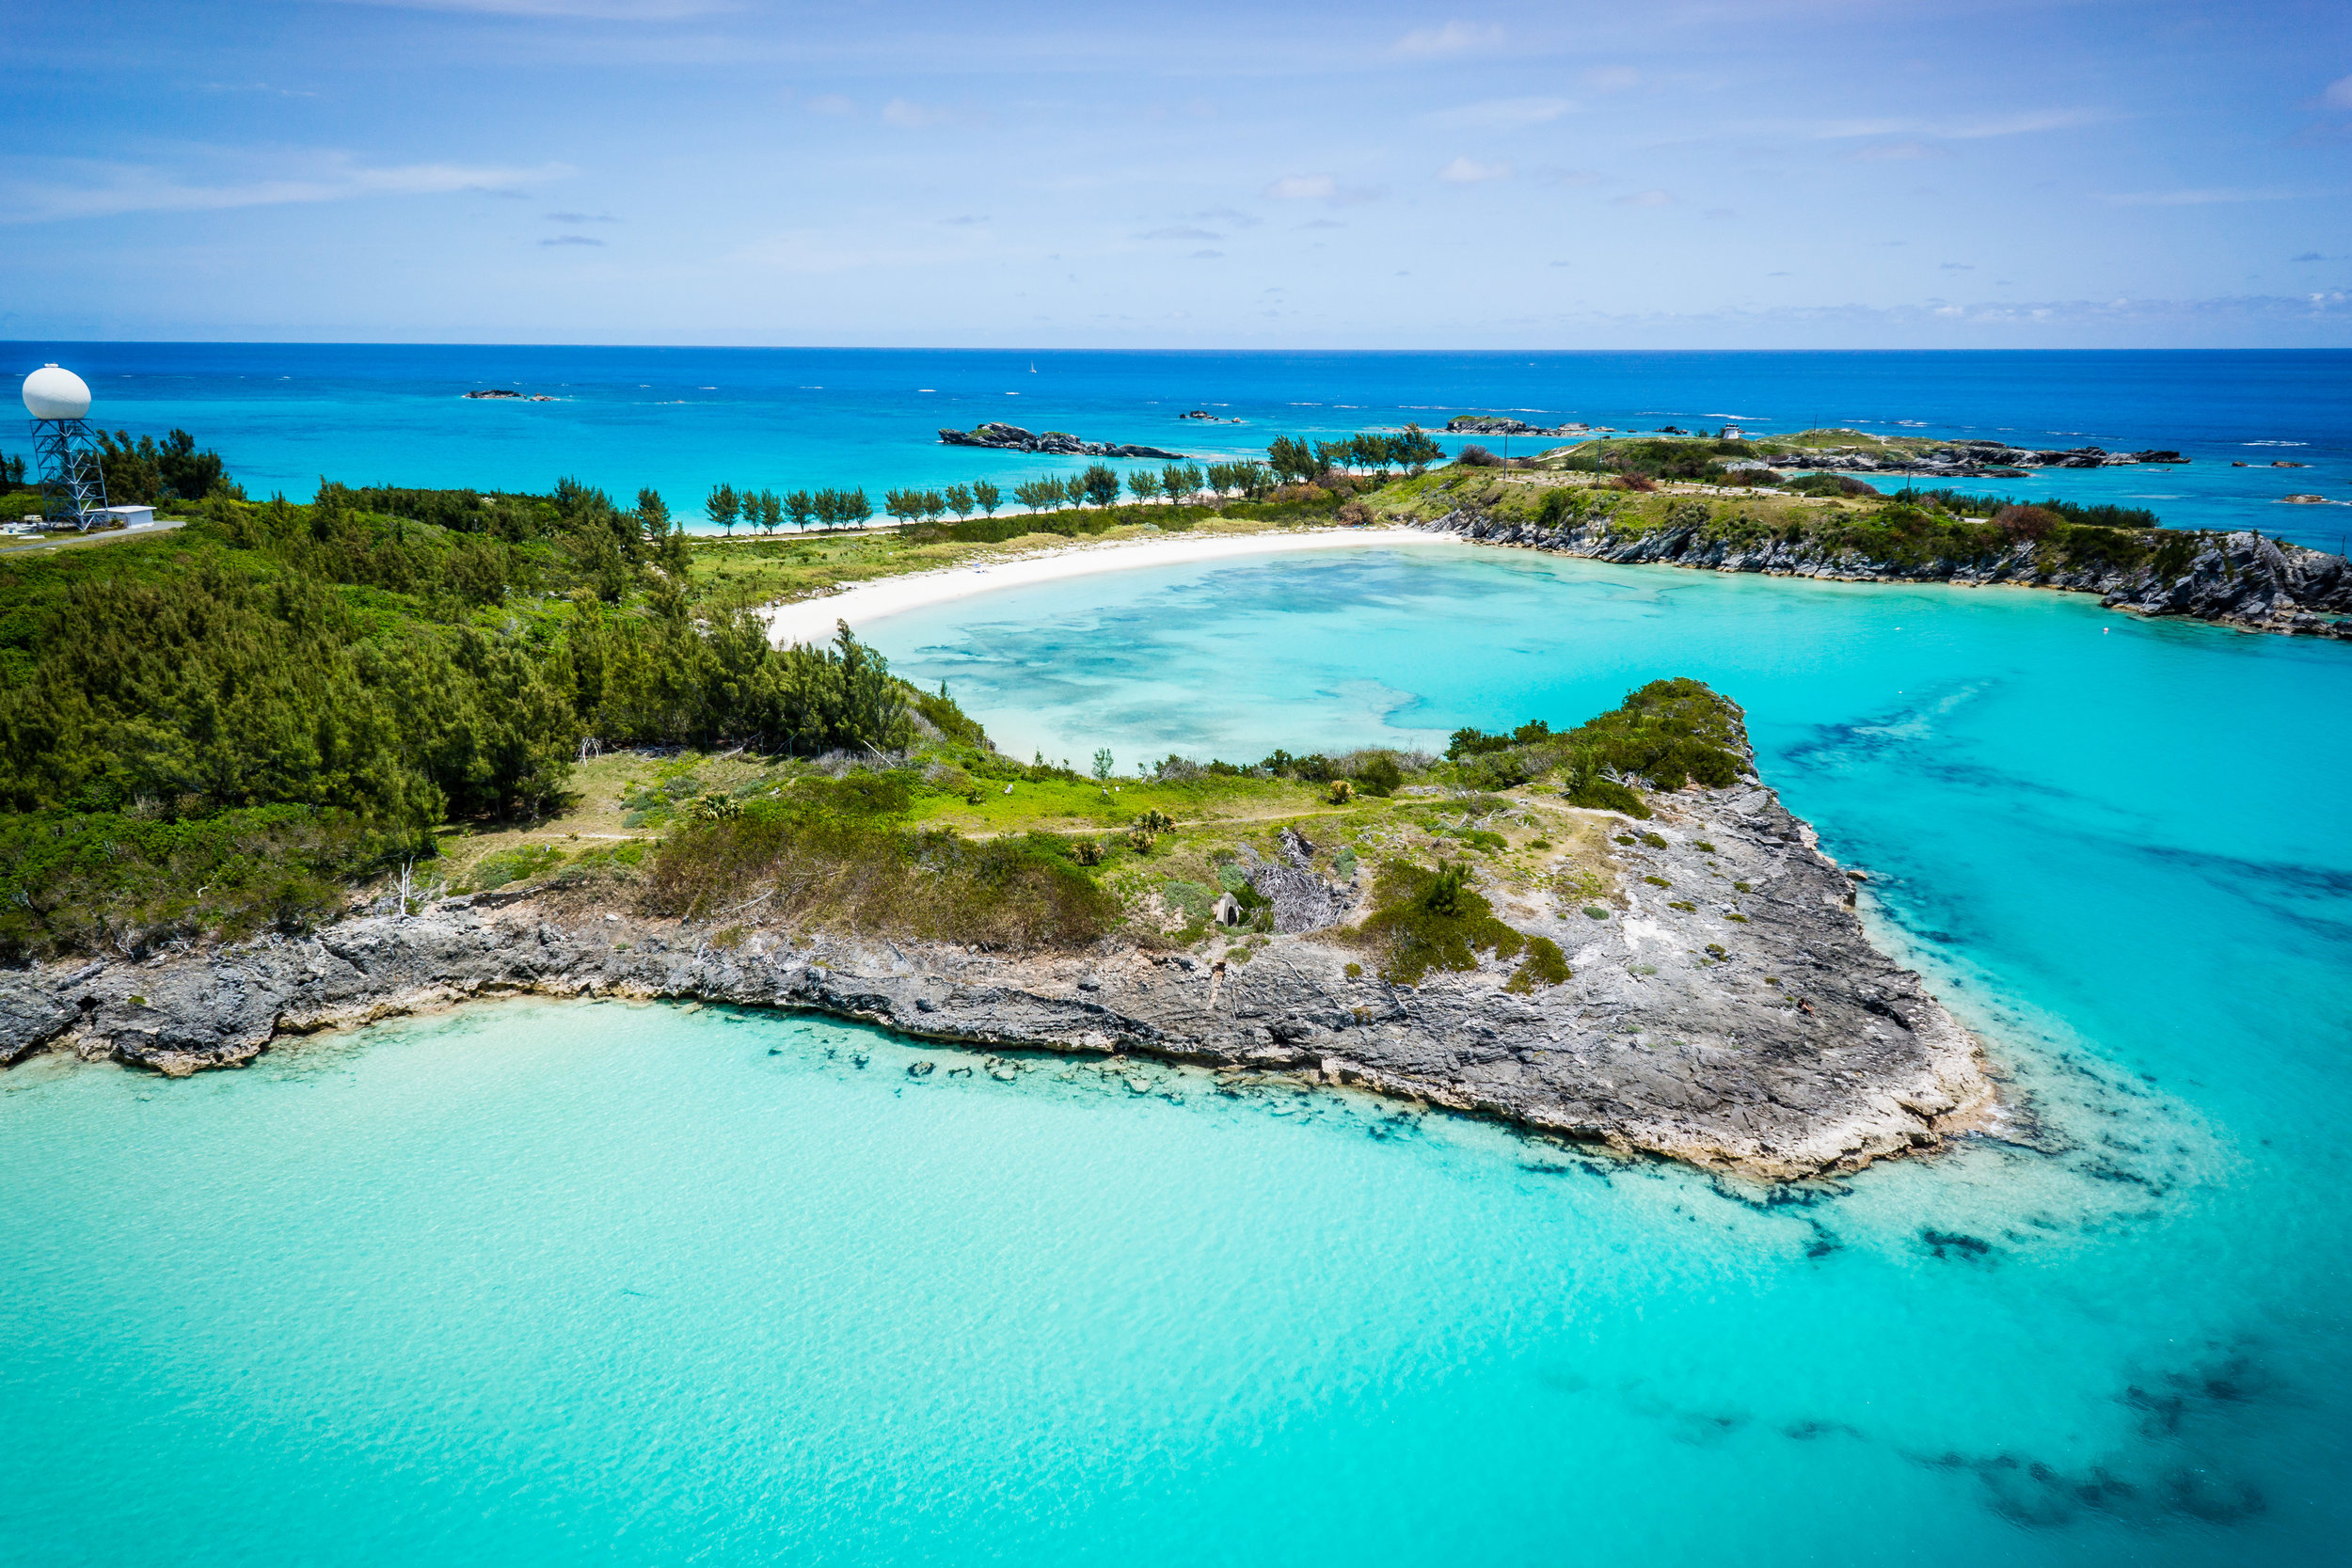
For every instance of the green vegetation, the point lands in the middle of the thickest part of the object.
(1664, 736)
(1610, 490)
(361, 671)
(1545, 965)
(1423, 920)
(239, 725)
(845, 853)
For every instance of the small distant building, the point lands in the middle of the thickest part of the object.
(1729, 432)
(128, 516)
(1228, 911)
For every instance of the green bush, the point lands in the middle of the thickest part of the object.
(841, 852)
(1423, 920)
(79, 882)
(1545, 965)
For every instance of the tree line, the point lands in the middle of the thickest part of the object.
(1288, 461)
(766, 510)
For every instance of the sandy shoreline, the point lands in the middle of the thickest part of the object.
(812, 620)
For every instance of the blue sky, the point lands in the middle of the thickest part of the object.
(1195, 174)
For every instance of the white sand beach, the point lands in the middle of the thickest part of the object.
(812, 620)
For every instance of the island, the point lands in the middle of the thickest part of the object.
(1000, 436)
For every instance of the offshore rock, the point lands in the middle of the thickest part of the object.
(1755, 1031)
(1011, 437)
(1966, 459)
(2239, 579)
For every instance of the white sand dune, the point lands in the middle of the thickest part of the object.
(812, 620)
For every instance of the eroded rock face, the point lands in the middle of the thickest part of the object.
(1302, 900)
(2241, 580)
(1779, 1043)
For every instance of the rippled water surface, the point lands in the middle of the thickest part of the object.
(552, 1283)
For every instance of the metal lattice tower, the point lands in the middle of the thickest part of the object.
(73, 483)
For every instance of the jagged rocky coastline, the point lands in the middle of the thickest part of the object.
(1745, 1025)
(2239, 579)
(1000, 436)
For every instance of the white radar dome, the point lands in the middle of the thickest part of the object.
(53, 394)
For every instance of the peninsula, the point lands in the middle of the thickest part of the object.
(1664, 966)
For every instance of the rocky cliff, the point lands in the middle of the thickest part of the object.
(2240, 579)
(1723, 1007)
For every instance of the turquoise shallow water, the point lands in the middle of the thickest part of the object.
(583, 1282)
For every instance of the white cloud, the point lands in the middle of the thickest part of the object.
(1320, 188)
(1645, 198)
(1470, 171)
(93, 189)
(572, 239)
(2204, 197)
(1454, 38)
(2020, 124)
(1304, 187)
(2340, 92)
(909, 116)
(1501, 113)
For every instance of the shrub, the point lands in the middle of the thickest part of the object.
(2023, 525)
(1423, 920)
(1475, 456)
(1830, 484)
(1545, 965)
(72, 881)
(1380, 775)
(840, 851)
(1598, 793)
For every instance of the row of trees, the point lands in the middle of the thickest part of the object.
(1287, 462)
(930, 505)
(766, 510)
(1296, 461)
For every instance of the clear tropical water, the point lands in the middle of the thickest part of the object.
(558, 1283)
(684, 419)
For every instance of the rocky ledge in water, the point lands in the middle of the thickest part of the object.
(1965, 460)
(1053, 443)
(2237, 580)
(1724, 1009)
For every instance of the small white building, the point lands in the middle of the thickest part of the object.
(129, 517)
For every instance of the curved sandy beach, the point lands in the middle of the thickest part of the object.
(812, 620)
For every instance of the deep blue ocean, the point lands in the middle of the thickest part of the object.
(684, 419)
(593, 1283)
